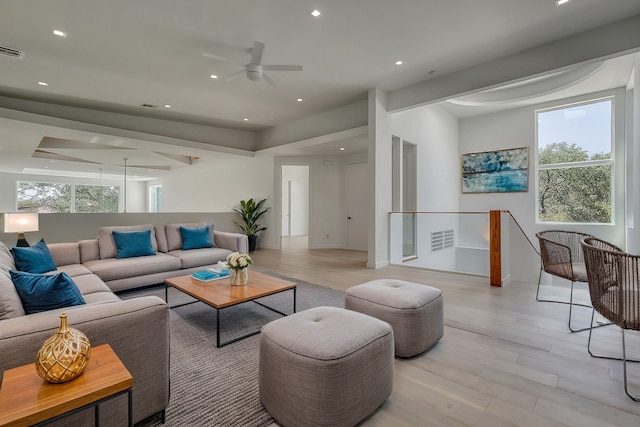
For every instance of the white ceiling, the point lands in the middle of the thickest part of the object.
(120, 54)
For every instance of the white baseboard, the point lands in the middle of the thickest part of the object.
(378, 264)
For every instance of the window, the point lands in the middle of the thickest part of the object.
(50, 197)
(155, 192)
(575, 164)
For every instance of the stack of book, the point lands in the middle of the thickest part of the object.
(209, 275)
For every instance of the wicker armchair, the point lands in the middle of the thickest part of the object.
(561, 256)
(614, 285)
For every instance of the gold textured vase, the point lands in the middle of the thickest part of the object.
(63, 356)
(239, 277)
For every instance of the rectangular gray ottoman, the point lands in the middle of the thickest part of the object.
(414, 311)
(325, 366)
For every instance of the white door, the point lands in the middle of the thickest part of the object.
(357, 194)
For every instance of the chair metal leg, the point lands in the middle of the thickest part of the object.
(571, 304)
(600, 356)
(624, 368)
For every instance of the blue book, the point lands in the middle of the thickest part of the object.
(205, 276)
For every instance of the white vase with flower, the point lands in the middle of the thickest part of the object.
(238, 263)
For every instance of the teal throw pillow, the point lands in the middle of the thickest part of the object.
(41, 292)
(195, 238)
(133, 243)
(35, 259)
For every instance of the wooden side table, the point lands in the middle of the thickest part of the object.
(26, 399)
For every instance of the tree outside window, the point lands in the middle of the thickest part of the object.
(48, 197)
(574, 163)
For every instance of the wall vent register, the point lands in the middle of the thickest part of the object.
(441, 240)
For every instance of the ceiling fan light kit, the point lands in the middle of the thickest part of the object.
(254, 72)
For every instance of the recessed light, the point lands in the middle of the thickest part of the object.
(315, 13)
(561, 2)
(398, 62)
(245, 119)
(213, 76)
(59, 33)
(167, 106)
(341, 148)
(43, 83)
(299, 99)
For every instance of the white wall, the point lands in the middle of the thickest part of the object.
(435, 133)
(217, 184)
(136, 190)
(516, 128)
(633, 169)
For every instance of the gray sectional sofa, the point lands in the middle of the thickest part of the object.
(137, 328)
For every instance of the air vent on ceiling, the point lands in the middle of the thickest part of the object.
(149, 106)
(15, 53)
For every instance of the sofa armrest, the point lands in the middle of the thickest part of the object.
(235, 242)
(89, 250)
(137, 330)
(64, 253)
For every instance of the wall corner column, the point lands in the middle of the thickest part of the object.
(380, 167)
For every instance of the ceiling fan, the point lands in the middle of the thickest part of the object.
(255, 70)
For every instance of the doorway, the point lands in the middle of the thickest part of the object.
(295, 207)
(357, 204)
(404, 182)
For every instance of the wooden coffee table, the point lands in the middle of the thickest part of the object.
(219, 294)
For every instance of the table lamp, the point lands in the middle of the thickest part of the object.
(21, 222)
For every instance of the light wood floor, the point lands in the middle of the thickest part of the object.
(505, 359)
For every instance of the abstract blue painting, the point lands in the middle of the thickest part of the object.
(495, 171)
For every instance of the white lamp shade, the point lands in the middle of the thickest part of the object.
(20, 222)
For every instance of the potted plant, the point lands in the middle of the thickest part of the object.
(251, 211)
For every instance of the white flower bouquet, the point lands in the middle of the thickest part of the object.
(238, 260)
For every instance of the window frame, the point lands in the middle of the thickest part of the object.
(72, 194)
(599, 162)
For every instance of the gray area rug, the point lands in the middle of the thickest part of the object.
(219, 386)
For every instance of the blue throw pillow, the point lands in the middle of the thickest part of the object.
(35, 259)
(41, 292)
(195, 238)
(133, 243)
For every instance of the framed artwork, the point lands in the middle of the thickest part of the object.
(500, 171)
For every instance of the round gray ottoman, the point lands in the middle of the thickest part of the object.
(325, 366)
(414, 311)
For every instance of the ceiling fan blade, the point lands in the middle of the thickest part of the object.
(269, 80)
(256, 52)
(235, 73)
(217, 58)
(282, 67)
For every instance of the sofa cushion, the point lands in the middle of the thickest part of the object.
(73, 270)
(174, 238)
(131, 244)
(90, 284)
(35, 259)
(108, 245)
(41, 292)
(200, 257)
(113, 268)
(195, 238)
(10, 304)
